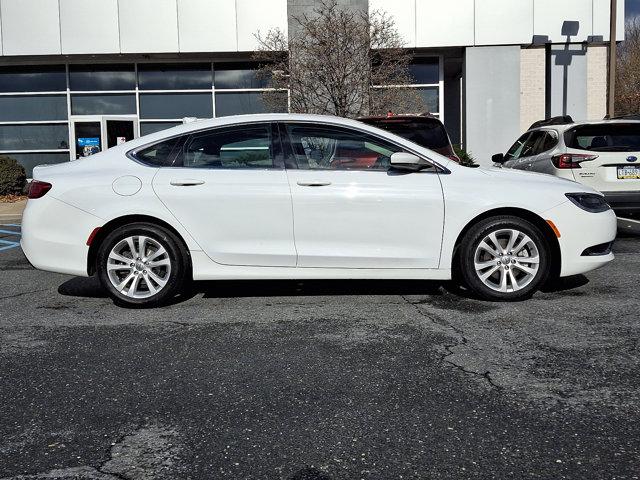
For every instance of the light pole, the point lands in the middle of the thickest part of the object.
(611, 109)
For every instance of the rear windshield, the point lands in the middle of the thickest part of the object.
(606, 137)
(431, 135)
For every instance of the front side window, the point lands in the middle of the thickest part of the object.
(525, 146)
(241, 147)
(516, 149)
(334, 148)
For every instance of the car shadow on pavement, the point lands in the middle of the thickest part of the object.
(91, 288)
(564, 284)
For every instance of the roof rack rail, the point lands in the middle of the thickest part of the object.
(560, 120)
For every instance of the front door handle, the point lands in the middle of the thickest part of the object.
(314, 184)
(186, 182)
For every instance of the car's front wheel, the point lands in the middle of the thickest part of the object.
(504, 258)
(142, 265)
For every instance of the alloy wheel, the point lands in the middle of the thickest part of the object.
(506, 260)
(138, 266)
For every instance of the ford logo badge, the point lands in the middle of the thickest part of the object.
(632, 159)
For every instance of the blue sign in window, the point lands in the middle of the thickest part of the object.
(89, 142)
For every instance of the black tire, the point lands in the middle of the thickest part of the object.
(467, 259)
(177, 275)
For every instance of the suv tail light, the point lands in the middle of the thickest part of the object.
(38, 189)
(571, 160)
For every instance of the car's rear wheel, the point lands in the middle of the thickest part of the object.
(142, 265)
(504, 258)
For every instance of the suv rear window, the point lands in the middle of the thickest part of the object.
(428, 134)
(605, 137)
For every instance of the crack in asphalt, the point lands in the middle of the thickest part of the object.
(101, 468)
(143, 446)
(449, 348)
(24, 293)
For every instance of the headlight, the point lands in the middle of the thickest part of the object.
(591, 202)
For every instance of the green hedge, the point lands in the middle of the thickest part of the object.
(465, 157)
(12, 177)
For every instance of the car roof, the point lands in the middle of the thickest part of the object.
(203, 124)
(386, 118)
(568, 126)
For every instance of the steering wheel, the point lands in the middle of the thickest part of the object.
(382, 163)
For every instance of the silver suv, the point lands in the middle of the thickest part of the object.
(603, 155)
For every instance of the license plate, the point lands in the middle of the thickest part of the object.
(629, 172)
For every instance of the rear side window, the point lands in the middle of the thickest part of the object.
(242, 147)
(160, 154)
(549, 141)
(431, 135)
(605, 137)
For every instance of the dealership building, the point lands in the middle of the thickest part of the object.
(83, 75)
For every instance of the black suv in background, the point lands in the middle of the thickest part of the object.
(425, 130)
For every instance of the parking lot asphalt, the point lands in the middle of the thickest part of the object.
(319, 380)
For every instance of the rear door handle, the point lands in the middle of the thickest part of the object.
(314, 184)
(186, 182)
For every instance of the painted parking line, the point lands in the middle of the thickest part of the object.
(9, 244)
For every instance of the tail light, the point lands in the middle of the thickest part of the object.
(38, 189)
(571, 160)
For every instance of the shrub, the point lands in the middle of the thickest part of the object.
(12, 177)
(465, 157)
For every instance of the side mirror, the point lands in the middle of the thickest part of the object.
(498, 158)
(407, 161)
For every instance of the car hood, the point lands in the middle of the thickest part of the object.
(534, 178)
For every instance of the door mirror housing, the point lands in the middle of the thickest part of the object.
(498, 158)
(408, 161)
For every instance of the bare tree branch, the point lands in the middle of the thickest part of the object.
(340, 61)
(628, 71)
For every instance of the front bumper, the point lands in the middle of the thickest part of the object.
(623, 202)
(579, 232)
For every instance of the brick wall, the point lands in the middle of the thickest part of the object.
(532, 106)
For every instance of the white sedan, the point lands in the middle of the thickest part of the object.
(283, 196)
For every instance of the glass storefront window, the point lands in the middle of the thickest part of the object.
(184, 76)
(230, 76)
(425, 71)
(34, 137)
(108, 104)
(24, 108)
(431, 98)
(102, 77)
(175, 105)
(30, 160)
(238, 103)
(147, 128)
(41, 78)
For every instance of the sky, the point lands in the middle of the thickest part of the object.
(632, 8)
